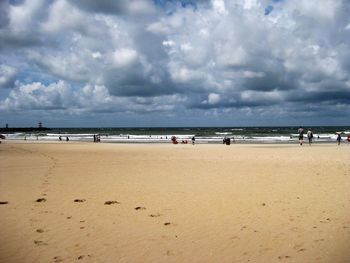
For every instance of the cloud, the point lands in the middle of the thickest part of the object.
(7, 76)
(219, 7)
(133, 7)
(60, 97)
(124, 57)
(251, 55)
(213, 98)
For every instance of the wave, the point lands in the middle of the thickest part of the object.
(203, 135)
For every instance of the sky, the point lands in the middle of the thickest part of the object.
(152, 63)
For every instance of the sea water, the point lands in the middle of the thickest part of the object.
(202, 134)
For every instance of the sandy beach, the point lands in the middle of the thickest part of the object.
(86, 202)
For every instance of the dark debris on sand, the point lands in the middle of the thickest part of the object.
(111, 202)
(3, 202)
(79, 200)
(140, 208)
(154, 215)
(40, 200)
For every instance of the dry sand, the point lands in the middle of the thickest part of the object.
(174, 203)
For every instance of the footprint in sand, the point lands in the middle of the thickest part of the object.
(41, 200)
(3, 202)
(167, 223)
(40, 230)
(154, 215)
(140, 208)
(294, 229)
(283, 257)
(58, 259)
(39, 243)
(82, 257)
(325, 221)
(318, 240)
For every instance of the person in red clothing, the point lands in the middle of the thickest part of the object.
(174, 140)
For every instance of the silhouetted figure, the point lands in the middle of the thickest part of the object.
(226, 141)
(301, 135)
(310, 136)
(67, 138)
(338, 138)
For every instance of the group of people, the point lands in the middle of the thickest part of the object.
(174, 140)
(97, 138)
(227, 140)
(310, 136)
(60, 138)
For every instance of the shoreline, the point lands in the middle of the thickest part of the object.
(164, 142)
(202, 134)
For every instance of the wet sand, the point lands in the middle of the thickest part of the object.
(85, 202)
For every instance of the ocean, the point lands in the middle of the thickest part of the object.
(183, 134)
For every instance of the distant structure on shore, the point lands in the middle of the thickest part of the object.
(8, 129)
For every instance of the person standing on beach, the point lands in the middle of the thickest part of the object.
(301, 135)
(193, 140)
(310, 136)
(338, 138)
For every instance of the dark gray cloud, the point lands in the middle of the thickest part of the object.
(104, 6)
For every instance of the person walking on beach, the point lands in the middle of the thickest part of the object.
(310, 136)
(301, 135)
(193, 140)
(338, 138)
